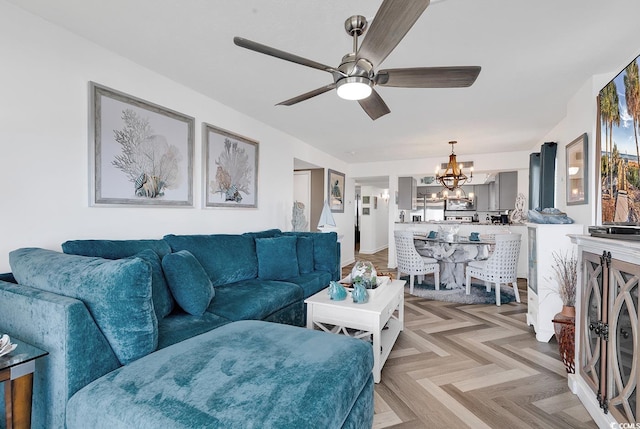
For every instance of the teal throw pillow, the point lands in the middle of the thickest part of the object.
(305, 254)
(189, 283)
(277, 258)
(116, 293)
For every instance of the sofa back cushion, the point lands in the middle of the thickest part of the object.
(277, 258)
(114, 249)
(163, 302)
(188, 281)
(267, 233)
(225, 258)
(326, 251)
(116, 293)
(304, 248)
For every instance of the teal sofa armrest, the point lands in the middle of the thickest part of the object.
(62, 326)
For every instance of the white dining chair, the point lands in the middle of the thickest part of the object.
(410, 262)
(501, 266)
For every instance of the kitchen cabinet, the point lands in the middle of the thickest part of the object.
(508, 189)
(407, 193)
(482, 197)
(543, 299)
(607, 335)
(503, 191)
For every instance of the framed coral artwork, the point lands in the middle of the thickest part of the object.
(231, 169)
(140, 153)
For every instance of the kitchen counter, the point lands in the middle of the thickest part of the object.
(466, 228)
(456, 222)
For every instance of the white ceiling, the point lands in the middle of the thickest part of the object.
(534, 56)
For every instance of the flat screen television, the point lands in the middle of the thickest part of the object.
(618, 148)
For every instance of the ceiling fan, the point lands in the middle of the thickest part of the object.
(356, 75)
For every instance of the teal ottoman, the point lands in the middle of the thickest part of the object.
(246, 374)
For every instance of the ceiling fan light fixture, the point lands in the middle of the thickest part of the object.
(354, 88)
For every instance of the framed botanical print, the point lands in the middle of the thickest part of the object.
(141, 153)
(231, 169)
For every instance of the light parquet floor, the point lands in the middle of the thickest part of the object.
(475, 366)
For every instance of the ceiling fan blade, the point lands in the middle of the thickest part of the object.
(429, 77)
(392, 22)
(267, 50)
(307, 95)
(374, 105)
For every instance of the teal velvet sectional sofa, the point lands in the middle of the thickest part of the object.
(187, 331)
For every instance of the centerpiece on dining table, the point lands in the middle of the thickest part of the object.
(448, 233)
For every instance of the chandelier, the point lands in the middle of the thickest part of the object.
(453, 176)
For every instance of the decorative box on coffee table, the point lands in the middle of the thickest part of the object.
(381, 318)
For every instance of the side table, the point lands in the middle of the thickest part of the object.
(16, 371)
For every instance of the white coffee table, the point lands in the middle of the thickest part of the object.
(381, 317)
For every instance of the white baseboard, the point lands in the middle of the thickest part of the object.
(371, 252)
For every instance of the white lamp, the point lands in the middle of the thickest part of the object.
(354, 88)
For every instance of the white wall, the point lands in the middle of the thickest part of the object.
(44, 105)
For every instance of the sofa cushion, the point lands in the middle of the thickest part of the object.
(304, 248)
(162, 300)
(117, 249)
(311, 283)
(189, 284)
(253, 299)
(117, 294)
(225, 258)
(268, 233)
(114, 249)
(248, 374)
(178, 326)
(326, 253)
(277, 258)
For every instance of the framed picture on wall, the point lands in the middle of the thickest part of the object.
(335, 184)
(231, 169)
(141, 153)
(366, 211)
(375, 202)
(576, 154)
(366, 200)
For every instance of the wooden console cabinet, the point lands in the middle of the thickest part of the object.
(607, 349)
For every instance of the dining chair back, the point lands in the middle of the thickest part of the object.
(410, 262)
(500, 268)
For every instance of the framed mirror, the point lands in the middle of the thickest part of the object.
(576, 156)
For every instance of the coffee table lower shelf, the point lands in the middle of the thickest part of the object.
(379, 321)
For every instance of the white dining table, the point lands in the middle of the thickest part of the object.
(453, 256)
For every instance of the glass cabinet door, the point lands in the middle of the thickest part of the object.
(623, 335)
(590, 344)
